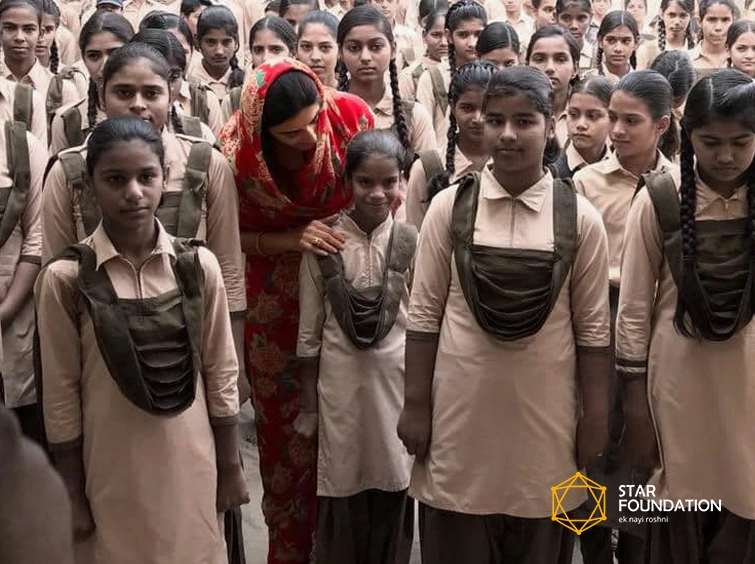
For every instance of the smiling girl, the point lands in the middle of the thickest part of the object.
(740, 44)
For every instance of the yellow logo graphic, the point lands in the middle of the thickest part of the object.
(596, 503)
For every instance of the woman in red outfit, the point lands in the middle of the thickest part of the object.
(286, 145)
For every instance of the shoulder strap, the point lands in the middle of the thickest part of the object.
(439, 89)
(665, 200)
(192, 126)
(235, 95)
(74, 168)
(17, 148)
(409, 55)
(197, 170)
(199, 107)
(431, 163)
(23, 106)
(72, 127)
(403, 246)
(564, 231)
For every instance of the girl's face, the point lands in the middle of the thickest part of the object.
(716, 23)
(20, 33)
(516, 133)
(552, 56)
(468, 113)
(576, 20)
(217, 48)
(436, 40)
(600, 8)
(128, 182)
(464, 39)
(192, 18)
(137, 89)
(724, 151)
(366, 53)
(587, 121)
(375, 184)
(188, 47)
(512, 6)
(742, 53)
(387, 8)
(639, 12)
(299, 132)
(46, 37)
(676, 19)
(97, 50)
(267, 47)
(618, 46)
(546, 13)
(502, 57)
(318, 50)
(295, 13)
(633, 129)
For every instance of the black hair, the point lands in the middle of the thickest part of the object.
(374, 142)
(555, 31)
(433, 17)
(536, 87)
(35, 5)
(273, 6)
(613, 20)
(726, 95)
(51, 9)
(188, 7)
(689, 7)
(427, 7)
(220, 17)
(655, 92)
(102, 21)
(280, 27)
(562, 5)
(497, 35)
(598, 86)
(705, 5)
(369, 15)
(318, 17)
(736, 29)
(163, 20)
(678, 69)
(462, 11)
(286, 4)
(476, 74)
(122, 129)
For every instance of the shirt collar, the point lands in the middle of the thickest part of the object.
(105, 250)
(612, 164)
(35, 77)
(348, 224)
(185, 91)
(706, 196)
(385, 105)
(533, 197)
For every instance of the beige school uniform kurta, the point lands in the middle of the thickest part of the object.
(218, 86)
(648, 51)
(38, 118)
(426, 97)
(135, 11)
(38, 78)
(360, 393)
(150, 481)
(505, 414)
(610, 188)
(58, 139)
(562, 129)
(586, 57)
(407, 86)
(23, 245)
(614, 78)
(700, 392)
(214, 116)
(706, 64)
(70, 18)
(218, 226)
(68, 47)
(408, 42)
(523, 25)
(421, 133)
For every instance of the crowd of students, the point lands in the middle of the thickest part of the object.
(452, 254)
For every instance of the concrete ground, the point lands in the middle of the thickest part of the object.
(255, 532)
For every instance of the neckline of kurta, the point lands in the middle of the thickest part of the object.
(707, 196)
(106, 251)
(533, 197)
(351, 225)
(612, 164)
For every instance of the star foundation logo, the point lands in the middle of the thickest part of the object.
(596, 503)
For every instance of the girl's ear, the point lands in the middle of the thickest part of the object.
(663, 124)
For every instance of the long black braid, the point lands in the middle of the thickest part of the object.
(661, 35)
(92, 104)
(343, 77)
(54, 57)
(175, 120)
(399, 119)
(599, 59)
(237, 73)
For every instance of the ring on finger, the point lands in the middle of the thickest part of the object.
(316, 242)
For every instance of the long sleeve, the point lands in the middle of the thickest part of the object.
(311, 308)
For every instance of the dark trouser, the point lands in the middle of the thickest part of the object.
(702, 538)
(30, 420)
(371, 527)
(447, 537)
(597, 547)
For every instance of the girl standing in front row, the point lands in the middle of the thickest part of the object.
(353, 321)
(149, 457)
(490, 368)
(684, 334)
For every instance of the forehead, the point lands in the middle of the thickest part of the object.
(141, 156)
(378, 165)
(137, 72)
(675, 7)
(574, 10)
(551, 45)
(748, 37)
(20, 15)
(724, 129)
(299, 121)
(718, 11)
(474, 24)
(586, 101)
(624, 103)
(317, 32)
(267, 37)
(511, 105)
(216, 33)
(364, 33)
(102, 40)
(620, 32)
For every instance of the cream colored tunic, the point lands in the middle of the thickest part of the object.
(23, 245)
(198, 73)
(648, 51)
(38, 119)
(151, 481)
(68, 47)
(215, 115)
(426, 97)
(421, 134)
(406, 85)
(360, 393)
(408, 38)
(700, 392)
(610, 188)
(505, 414)
(218, 226)
(706, 64)
(58, 139)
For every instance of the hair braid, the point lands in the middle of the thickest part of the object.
(599, 59)
(661, 36)
(237, 74)
(399, 119)
(54, 57)
(441, 181)
(343, 77)
(690, 39)
(175, 120)
(633, 60)
(92, 104)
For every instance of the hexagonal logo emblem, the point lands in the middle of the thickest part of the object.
(596, 503)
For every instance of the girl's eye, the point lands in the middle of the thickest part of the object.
(148, 177)
(327, 48)
(523, 121)
(573, 114)
(94, 56)
(276, 49)
(113, 179)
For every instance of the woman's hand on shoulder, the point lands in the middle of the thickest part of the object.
(320, 237)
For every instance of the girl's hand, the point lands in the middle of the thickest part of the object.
(639, 441)
(83, 524)
(414, 427)
(232, 490)
(592, 437)
(320, 238)
(306, 423)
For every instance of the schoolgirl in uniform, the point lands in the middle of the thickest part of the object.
(22, 163)
(716, 16)
(676, 67)
(178, 27)
(368, 50)
(409, 44)
(526, 363)
(317, 45)
(364, 514)
(515, 14)
(465, 150)
(674, 32)
(190, 11)
(149, 457)
(639, 11)
(545, 13)
(102, 34)
(465, 21)
(47, 48)
(436, 50)
(693, 361)
(499, 44)
(617, 42)
(554, 51)
(271, 38)
(740, 44)
(588, 125)
(294, 10)
(576, 17)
